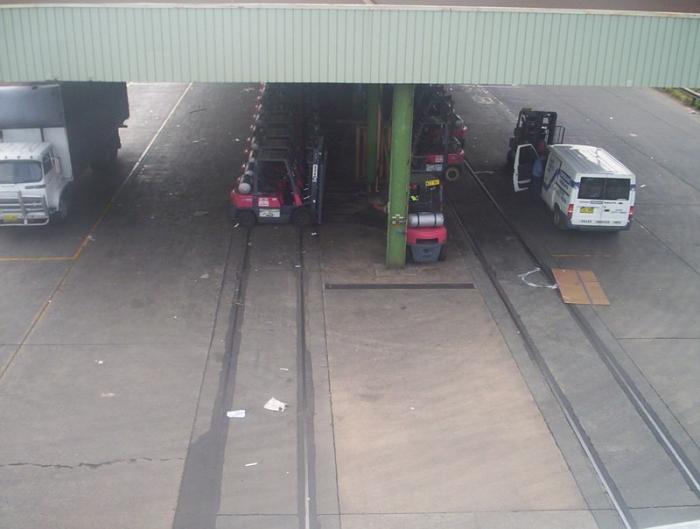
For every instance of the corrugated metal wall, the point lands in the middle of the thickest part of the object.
(346, 44)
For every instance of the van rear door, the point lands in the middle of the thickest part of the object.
(616, 202)
(602, 202)
(525, 157)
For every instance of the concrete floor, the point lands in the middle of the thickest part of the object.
(649, 273)
(120, 361)
(431, 414)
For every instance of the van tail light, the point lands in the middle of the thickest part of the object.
(631, 213)
(570, 211)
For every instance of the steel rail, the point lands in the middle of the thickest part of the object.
(692, 93)
(305, 410)
(651, 419)
(537, 358)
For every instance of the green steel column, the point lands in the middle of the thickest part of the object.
(399, 174)
(372, 133)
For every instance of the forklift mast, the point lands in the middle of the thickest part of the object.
(538, 127)
(318, 174)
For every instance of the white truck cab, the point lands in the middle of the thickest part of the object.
(31, 184)
(50, 133)
(586, 187)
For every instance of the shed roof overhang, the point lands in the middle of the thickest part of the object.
(543, 44)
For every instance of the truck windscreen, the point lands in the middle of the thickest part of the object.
(20, 172)
(604, 188)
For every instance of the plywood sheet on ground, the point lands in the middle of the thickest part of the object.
(580, 287)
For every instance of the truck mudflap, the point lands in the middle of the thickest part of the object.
(21, 210)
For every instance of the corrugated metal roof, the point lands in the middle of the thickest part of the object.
(368, 44)
(22, 151)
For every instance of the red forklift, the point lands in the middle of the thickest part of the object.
(426, 235)
(433, 102)
(435, 148)
(282, 181)
(280, 184)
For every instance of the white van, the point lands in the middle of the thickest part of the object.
(586, 187)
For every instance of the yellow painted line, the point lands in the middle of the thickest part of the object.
(133, 171)
(42, 310)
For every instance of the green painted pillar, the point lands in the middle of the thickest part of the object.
(372, 133)
(399, 174)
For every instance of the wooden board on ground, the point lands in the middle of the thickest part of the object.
(580, 287)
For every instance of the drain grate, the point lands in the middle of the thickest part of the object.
(399, 286)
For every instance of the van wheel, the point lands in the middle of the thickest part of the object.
(558, 219)
(452, 173)
(301, 218)
(246, 218)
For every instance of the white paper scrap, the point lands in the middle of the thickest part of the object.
(235, 414)
(275, 405)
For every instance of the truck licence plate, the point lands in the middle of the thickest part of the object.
(432, 183)
(275, 213)
(9, 217)
(586, 210)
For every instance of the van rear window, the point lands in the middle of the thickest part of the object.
(604, 188)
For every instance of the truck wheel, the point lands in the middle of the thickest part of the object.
(452, 173)
(64, 206)
(246, 218)
(558, 219)
(109, 156)
(301, 217)
(443, 253)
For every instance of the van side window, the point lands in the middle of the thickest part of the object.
(46, 162)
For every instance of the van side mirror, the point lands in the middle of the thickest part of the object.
(56, 164)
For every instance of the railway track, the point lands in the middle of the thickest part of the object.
(305, 399)
(650, 418)
(201, 486)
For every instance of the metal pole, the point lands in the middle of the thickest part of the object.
(399, 174)
(372, 134)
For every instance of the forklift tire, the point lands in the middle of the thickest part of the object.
(246, 218)
(443, 253)
(558, 219)
(301, 218)
(452, 173)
